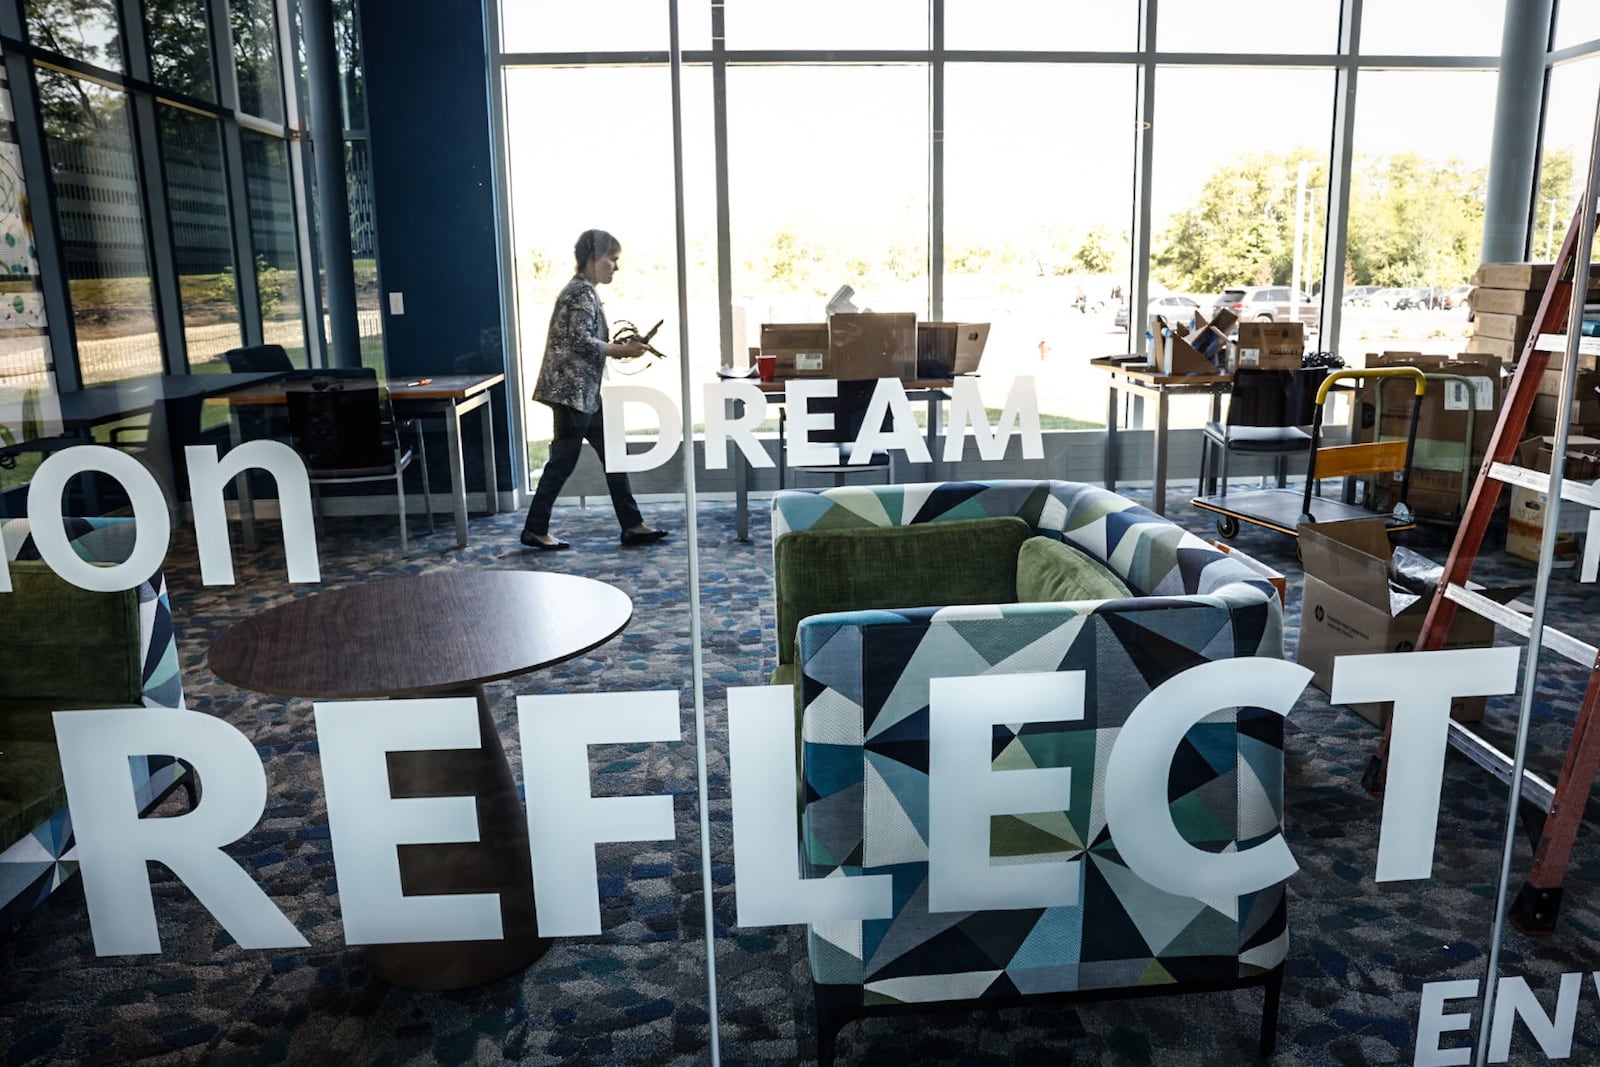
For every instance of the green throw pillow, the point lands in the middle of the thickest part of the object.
(963, 561)
(66, 643)
(1050, 570)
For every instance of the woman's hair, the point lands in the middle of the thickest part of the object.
(592, 244)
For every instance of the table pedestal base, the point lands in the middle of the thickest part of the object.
(497, 863)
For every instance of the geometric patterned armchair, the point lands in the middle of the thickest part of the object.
(863, 683)
(129, 639)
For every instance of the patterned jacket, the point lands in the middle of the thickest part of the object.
(575, 349)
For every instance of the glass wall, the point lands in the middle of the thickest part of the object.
(993, 166)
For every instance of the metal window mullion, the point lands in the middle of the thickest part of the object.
(936, 162)
(37, 179)
(1335, 242)
(244, 246)
(1143, 175)
(731, 357)
(234, 177)
(300, 192)
(505, 248)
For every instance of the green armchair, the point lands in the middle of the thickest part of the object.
(54, 631)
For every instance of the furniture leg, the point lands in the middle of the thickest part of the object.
(458, 474)
(491, 474)
(1268, 1040)
(1158, 498)
(498, 861)
(1110, 461)
(741, 484)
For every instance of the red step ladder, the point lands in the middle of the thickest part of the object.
(1557, 328)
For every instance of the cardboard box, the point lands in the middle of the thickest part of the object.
(1513, 275)
(1279, 582)
(1443, 416)
(1514, 301)
(1193, 347)
(1513, 328)
(1585, 398)
(1271, 345)
(1505, 301)
(800, 347)
(871, 344)
(1497, 347)
(1347, 608)
(1525, 522)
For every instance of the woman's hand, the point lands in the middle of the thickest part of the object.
(628, 349)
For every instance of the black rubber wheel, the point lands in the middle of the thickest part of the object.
(1299, 558)
(1228, 527)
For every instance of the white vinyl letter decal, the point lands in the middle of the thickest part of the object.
(113, 843)
(366, 823)
(1141, 760)
(767, 887)
(565, 821)
(1421, 684)
(964, 791)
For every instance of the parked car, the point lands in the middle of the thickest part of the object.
(1173, 306)
(1270, 303)
(1391, 298)
(1361, 295)
(1456, 297)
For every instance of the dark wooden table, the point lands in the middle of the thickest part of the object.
(443, 633)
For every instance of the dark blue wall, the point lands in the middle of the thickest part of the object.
(433, 192)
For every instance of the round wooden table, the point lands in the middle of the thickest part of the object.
(447, 632)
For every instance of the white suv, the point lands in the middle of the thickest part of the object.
(1269, 303)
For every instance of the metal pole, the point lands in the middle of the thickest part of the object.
(333, 200)
(691, 509)
(1547, 552)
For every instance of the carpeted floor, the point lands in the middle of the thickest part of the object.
(637, 994)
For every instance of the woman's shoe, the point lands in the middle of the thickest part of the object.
(642, 537)
(531, 541)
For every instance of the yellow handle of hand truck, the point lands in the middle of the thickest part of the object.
(1374, 372)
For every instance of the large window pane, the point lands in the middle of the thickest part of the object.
(816, 202)
(1416, 208)
(277, 266)
(255, 54)
(1021, 242)
(87, 30)
(1307, 26)
(180, 46)
(1242, 211)
(1576, 22)
(1423, 28)
(102, 226)
(1041, 24)
(202, 241)
(1568, 130)
(552, 205)
(841, 24)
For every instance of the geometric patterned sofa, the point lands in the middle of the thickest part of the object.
(35, 825)
(863, 689)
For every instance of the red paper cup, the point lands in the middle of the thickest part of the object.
(767, 367)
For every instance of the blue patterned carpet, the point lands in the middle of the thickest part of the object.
(1359, 953)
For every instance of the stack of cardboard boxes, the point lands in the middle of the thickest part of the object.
(1454, 425)
(1505, 306)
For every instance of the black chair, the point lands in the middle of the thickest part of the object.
(343, 427)
(257, 358)
(849, 410)
(1267, 413)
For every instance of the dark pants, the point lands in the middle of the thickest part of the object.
(572, 428)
